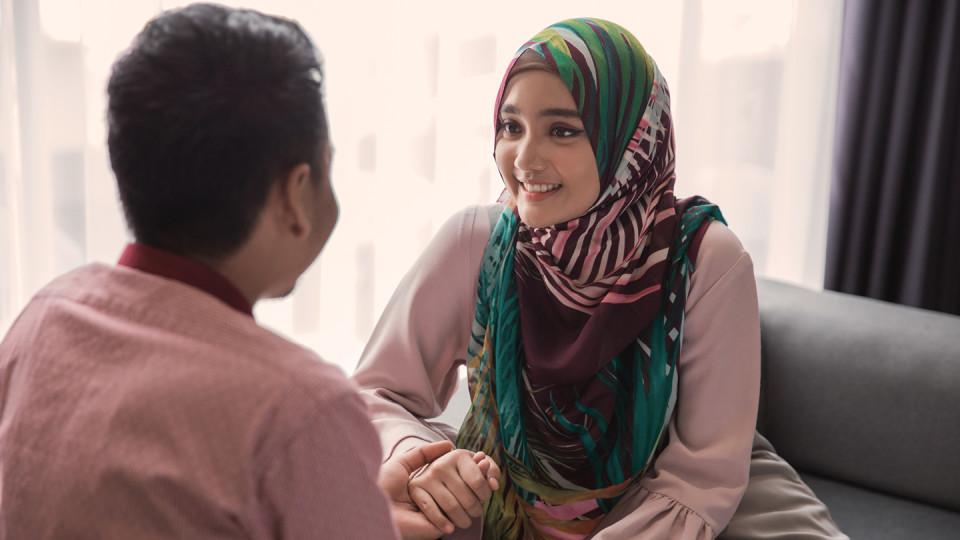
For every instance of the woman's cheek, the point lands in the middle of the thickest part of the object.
(503, 160)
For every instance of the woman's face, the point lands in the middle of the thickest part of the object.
(543, 154)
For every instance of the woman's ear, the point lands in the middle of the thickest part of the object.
(295, 191)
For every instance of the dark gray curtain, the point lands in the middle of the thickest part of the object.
(894, 229)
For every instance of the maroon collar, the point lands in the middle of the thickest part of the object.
(171, 266)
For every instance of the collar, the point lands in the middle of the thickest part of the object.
(188, 271)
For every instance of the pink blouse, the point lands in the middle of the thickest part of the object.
(408, 373)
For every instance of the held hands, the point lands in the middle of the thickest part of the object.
(430, 465)
(394, 477)
(452, 489)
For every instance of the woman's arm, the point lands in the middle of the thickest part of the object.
(408, 371)
(697, 481)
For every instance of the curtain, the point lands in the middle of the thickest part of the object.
(894, 225)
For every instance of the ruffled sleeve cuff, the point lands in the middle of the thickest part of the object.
(653, 516)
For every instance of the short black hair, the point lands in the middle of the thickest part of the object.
(207, 109)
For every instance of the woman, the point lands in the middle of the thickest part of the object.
(610, 330)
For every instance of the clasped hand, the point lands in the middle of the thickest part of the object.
(435, 487)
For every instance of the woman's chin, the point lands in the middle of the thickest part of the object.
(537, 217)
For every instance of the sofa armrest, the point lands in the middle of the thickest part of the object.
(862, 391)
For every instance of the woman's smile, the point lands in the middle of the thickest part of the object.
(536, 192)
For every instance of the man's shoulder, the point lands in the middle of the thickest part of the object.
(197, 325)
(301, 369)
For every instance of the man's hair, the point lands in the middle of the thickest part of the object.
(207, 109)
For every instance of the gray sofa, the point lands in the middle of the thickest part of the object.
(863, 398)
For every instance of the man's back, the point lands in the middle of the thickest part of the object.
(133, 406)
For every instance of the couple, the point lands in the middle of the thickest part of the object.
(610, 330)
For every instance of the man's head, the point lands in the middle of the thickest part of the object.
(218, 139)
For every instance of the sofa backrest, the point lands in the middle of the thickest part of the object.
(862, 391)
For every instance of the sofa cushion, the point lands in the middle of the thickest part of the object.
(862, 513)
(862, 391)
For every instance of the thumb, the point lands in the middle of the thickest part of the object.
(418, 457)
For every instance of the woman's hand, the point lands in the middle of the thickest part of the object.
(453, 489)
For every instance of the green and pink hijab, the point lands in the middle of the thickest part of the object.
(578, 326)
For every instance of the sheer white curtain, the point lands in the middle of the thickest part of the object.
(410, 88)
(755, 108)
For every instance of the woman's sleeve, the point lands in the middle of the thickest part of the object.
(697, 481)
(408, 370)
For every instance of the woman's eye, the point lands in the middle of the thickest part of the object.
(561, 131)
(510, 127)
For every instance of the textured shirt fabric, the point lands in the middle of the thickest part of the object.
(136, 406)
(185, 270)
(408, 372)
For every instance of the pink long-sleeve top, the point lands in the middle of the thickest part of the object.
(408, 373)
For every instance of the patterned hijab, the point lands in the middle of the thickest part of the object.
(578, 326)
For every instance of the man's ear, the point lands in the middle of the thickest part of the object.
(294, 190)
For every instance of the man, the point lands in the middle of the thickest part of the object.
(142, 400)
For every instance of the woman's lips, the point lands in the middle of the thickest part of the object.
(539, 191)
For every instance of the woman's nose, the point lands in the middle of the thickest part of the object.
(529, 158)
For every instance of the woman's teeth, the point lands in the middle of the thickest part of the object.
(539, 188)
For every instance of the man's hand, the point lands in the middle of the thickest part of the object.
(394, 476)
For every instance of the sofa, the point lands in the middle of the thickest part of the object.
(862, 397)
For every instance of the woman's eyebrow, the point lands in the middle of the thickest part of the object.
(566, 113)
(553, 111)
